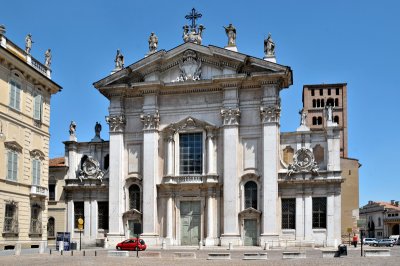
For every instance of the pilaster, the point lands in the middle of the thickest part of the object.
(299, 216)
(308, 232)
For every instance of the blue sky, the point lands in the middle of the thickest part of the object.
(322, 41)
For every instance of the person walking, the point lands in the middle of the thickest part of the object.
(355, 240)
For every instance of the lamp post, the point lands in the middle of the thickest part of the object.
(2, 135)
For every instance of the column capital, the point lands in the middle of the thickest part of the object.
(230, 116)
(270, 113)
(117, 122)
(150, 121)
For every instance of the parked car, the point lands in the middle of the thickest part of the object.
(383, 243)
(368, 241)
(396, 239)
(132, 244)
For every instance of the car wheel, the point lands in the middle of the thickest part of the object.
(375, 245)
(391, 245)
(118, 248)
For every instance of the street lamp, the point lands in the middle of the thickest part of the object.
(2, 135)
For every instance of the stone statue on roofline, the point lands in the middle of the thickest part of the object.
(47, 58)
(72, 131)
(28, 43)
(269, 46)
(119, 60)
(153, 43)
(231, 33)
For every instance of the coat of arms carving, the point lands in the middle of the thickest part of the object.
(303, 161)
(189, 67)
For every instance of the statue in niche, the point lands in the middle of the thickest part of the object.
(47, 58)
(231, 33)
(28, 43)
(153, 43)
(72, 128)
(119, 60)
(269, 46)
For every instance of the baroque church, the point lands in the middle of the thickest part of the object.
(196, 156)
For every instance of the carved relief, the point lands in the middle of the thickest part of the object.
(116, 122)
(270, 113)
(303, 161)
(150, 121)
(288, 153)
(318, 153)
(189, 66)
(230, 116)
(90, 169)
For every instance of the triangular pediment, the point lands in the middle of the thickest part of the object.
(191, 62)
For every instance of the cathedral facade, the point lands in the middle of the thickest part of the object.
(196, 156)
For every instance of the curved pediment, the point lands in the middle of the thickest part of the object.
(250, 212)
(188, 124)
(191, 62)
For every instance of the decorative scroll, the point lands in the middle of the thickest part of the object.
(150, 121)
(116, 122)
(230, 116)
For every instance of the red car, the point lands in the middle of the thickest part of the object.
(132, 244)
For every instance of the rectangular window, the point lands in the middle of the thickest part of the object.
(79, 212)
(52, 192)
(319, 212)
(329, 91)
(321, 92)
(12, 165)
(35, 172)
(10, 219)
(15, 94)
(312, 92)
(103, 214)
(37, 108)
(288, 213)
(191, 153)
(337, 91)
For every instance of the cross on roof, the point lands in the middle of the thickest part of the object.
(193, 16)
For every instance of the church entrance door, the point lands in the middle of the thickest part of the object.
(250, 232)
(190, 222)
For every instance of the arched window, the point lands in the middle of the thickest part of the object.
(318, 103)
(322, 103)
(134, 197)
(50, 228)
(314, 120)
(250, 195)
(314, 103)
(319, 122)
(336, 102)
(336, 119)
(329, 102)
(106, 162)
(379, 221)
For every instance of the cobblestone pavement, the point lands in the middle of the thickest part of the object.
(314, 257)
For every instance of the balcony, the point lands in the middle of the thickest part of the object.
(35, 228)
(191, 179)
(38, 191)
(10, 228)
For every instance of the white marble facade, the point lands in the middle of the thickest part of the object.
(208, 157)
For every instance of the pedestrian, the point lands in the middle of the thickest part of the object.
(355, 240)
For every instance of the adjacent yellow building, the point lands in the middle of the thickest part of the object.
(25, 91)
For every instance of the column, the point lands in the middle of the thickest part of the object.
(169, 220)
(71, 160)
(171, 156)
(87, 214)
(270, 114)
(230, 176)
(93, 219)
(150, 176)
(308, 232)
(338, 216)
(330, 221)
(70, 217)
(211, 153)
(209, 241)
(116, 202)
(299, 216)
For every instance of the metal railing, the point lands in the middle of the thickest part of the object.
(35, 227)
(10, 226)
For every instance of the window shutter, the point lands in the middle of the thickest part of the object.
(17, 96)
(9, 165)
(38, 172)
(37, 110)
(12, 94)
(15, 165)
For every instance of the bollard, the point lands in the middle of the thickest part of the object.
(61, 252)
(200, 245)
(50, 251)
(230, 246)
(95, 253)
(72, 253)
(266, 245)
(84, 253)
(164, 244)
